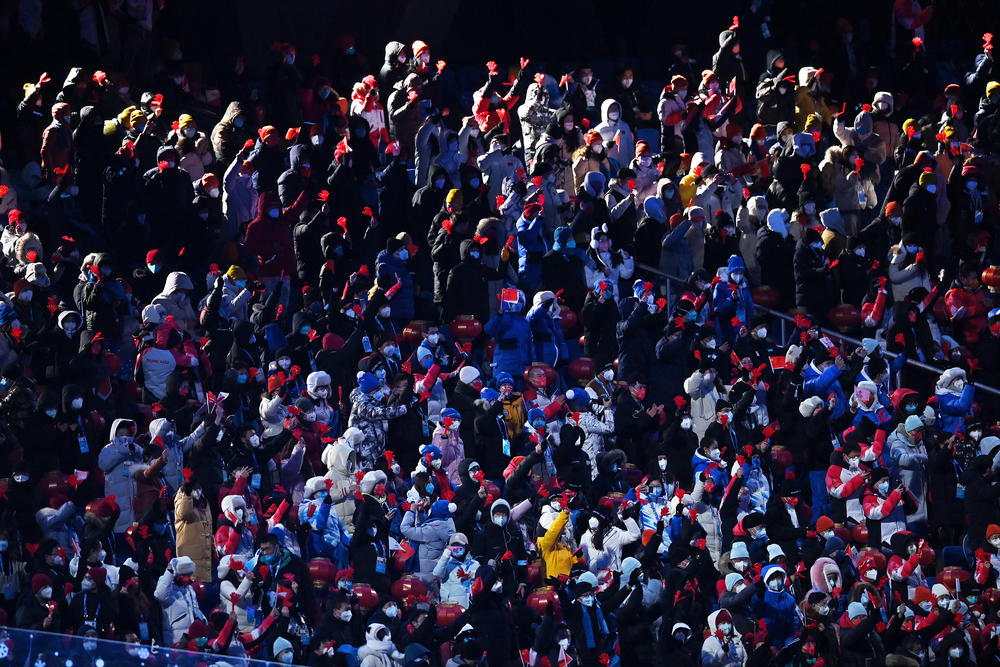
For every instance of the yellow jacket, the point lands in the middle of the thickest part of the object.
(558, 557)
(806, 104)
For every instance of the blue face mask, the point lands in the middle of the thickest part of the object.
(439, 183)
(571, 243)
(656, 491)
(242, 378)
(269, 559)
(380, 374)
(613, 467)
(238, 121)
(429, 488)
(404, 254)
(304, 329)
(539, 425)
(240, 283)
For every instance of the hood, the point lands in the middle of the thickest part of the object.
(605, 460)
(777, 221)
(897, 397)
(735, 263)
(232, 111)
(37, 275)
(298, 155)
(804, 143)
(755, 205)
(437, 171)
(716, 617)
(948, 377)
(726, 39)
(121, 422)
(166, 153)
(392, 51)
(463, 471)
(772, 55)
(65, 315)
(833, 221)
(770, 571)
(606, 106)
(498, 504)
(465, 247)
(536, 95)
(70, 392)
(593, 183)
(340, 457)
(232, 503)
(158, 428)
(806, 74)
(266, 200)
(821, 570)
(317, 379)
(177, 280)
(74, 77)
(883, 96)
(653, 207)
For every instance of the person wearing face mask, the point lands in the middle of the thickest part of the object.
(616, 133)
(967, 304)
(722, 647)
(884, 505)
(177, 599)
(455, 567)
(230, 133)
(37, 610)
(369, 414)
(268, 236)
(544, 318)
(467, 291)
(93, 605)
(585, 617)
(672, 111)
(919, 203)
(776, 606)
(814, 285)
(193, 524)
(955, 395)
(116, 460)
(646, 172)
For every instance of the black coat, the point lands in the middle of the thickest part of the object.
(600, 323)
(814, 289)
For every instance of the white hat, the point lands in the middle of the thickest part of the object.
(314, 486)
(774, 551)
(468, 374)
(183, 566)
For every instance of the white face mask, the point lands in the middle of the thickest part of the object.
(726, 628)
(436, 464)
(762, 332)
(346, 615)
(554, 504)
(715, 454)
(564, 643)
(322, 393)
(871, 575)
(645, 161)
(687, 423)
(587, 600)
(433, 338)
(775, 584)
(285, 363)
(87, 585)
(384, 311)
(608, 375)
(593, 523)
(317, 139)
(853, 462)
(662, 463)
(45, 593)
(255, 440)
(740, 565)
(395, 469)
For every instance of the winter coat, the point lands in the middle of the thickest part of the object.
(270, 239)
(954, 408)
(609, 556)
(814, 287)
(116, 460)
(195, 539)
(341, 461)
(716, 653)
(777, 609)
(547, 335)
(180, 607)
(676, 258)
(908, 461)
(456, 577)
(905, 274)
(704, 395)
(515, 347)
(430, 536)
(327, 537)
(623, 150)
(372, 418)
(635, 346)
(177, 303)
(595, 428)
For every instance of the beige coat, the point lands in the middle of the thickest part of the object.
(195, 538)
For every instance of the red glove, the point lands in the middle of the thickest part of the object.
(235, 598)
(564, 502)
(440, 66)
(693, 513)
(328, 483)
(412, 95)
(507, 555)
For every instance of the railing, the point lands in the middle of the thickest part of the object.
(786, 319)
(35, 648)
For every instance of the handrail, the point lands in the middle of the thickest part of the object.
(785, 318)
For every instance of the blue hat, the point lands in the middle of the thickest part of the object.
(441, 509)
(856, 609)
(489, 394)
(577, 395)
(503, 378)
(562, 235)
(735, 263)
(367, 382)
(536, 413)
(450, 413)
(432, 450)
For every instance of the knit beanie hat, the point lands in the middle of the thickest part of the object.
(236, 273)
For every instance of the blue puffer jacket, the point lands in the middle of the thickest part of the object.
(822, 383)
(777, 610)
(389, 268)
(731, 300)
(530, 248)
(515, 349)
(327, 538)
(546, 332)
(954, 409)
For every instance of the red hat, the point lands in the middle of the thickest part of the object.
(757, 131)
(641, 146)
(98, 575)
(103, 508)
(532, 209)
(707, 75)
(332, 342)
(40, 581)
(419, 47)
(154, 256)
(273, 383)
(197, 629)
(893, 210)
(676, 219)
(209, 181)
(824, 523)
(923, 594)
(592, 136)
(266, 131)
(678, 80)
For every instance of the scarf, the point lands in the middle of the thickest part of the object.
(588, 628)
